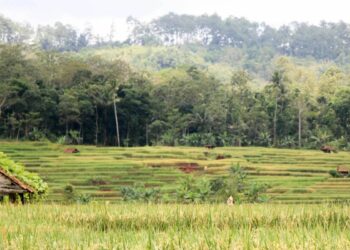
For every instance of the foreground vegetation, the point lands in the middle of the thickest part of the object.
(293, 176)
(135, 226)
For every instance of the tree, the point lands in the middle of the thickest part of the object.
(238, 103)
(113, 74)
(277, 79)
(59, 37)
(341, 107)
(68, 108)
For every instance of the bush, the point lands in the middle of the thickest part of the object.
(198, 140)
(61, 140)
(84, 199)
(255, 193)
(193, 190)
(36, 135)
(217, 184)
(69, 193)
(234, 185)
(72, 196)
(288, 142)
(334, 173)
(73, 137)
(139, 193)
(237, 173)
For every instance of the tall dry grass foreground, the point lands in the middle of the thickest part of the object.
(141, 226)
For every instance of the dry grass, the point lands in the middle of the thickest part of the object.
(139, 226)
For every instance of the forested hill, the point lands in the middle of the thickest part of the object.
(211, 42)
(177, 80)
(326, 41)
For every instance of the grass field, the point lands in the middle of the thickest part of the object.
(134, 226)
(295, 176)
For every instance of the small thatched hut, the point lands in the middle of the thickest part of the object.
(71, 150)
(343, 170)
(328, 149)
(11, 186)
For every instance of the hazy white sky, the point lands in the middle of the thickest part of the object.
(100, 14)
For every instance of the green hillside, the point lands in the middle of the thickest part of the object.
(294, 175)
(161, 61)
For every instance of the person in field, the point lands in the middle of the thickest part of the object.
(230, 201)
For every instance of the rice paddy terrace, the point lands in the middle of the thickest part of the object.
(294, 176)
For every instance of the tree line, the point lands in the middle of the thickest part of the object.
(69, 98)
(325, 41)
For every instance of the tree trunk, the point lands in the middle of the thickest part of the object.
(275, 124)
(81, 134)
(96, 128)
(2, 103)
(66, 128)
(116, 120)
(299, 127)
(127, 135)
(19, 129)
(147, 135)
(26, 129)
(104, 128)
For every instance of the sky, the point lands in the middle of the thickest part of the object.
(101, 14)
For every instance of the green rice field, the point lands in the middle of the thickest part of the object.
(294, 176)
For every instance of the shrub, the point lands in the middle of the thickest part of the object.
(217, 184)
(62, 140)
(84, 199)
(139, 193)
(72, 196)
(239, 175)
(255, 193)
(234, 185)
(36, 135)
(69, 193)
(73, 137)
(197, 139)
(334, 173)
(193, 190)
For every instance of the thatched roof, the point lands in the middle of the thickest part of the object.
(343, 169)
(15, 181)
(71, 150)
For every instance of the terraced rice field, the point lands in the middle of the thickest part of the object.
(295, 176)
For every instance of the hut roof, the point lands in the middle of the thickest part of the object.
(343, 169)
(71, 150)
(16, 181)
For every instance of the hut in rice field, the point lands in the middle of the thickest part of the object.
(12, 187)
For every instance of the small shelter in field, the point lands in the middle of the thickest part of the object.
(328, 149)
(71, 150)
(343, 170)
(11, 186)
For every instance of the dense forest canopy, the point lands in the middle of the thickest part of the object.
(177, 80)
